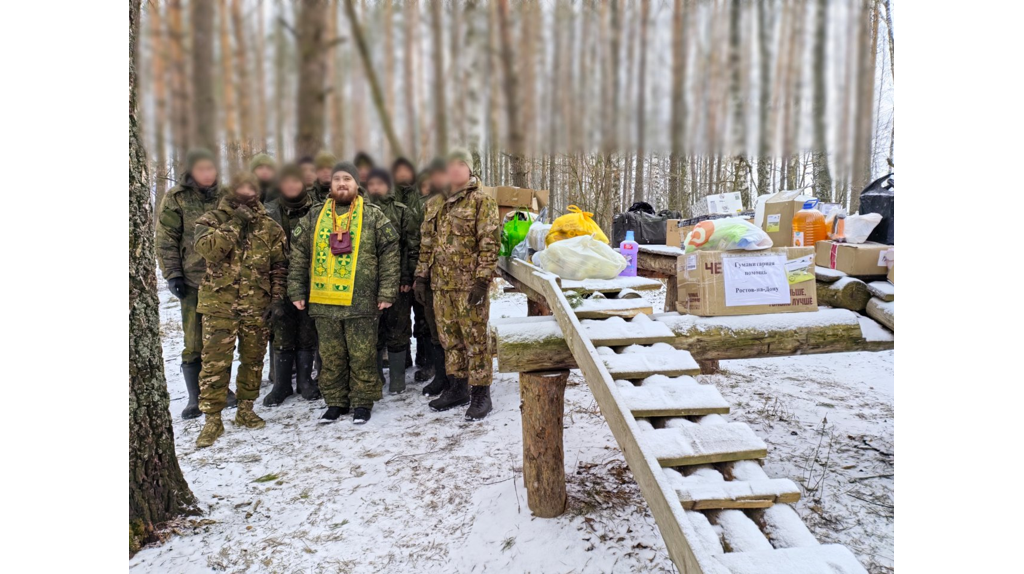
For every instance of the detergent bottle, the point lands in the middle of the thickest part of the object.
(808, 225)
(629, 250)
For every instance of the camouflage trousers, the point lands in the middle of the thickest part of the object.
(192, 325)
(295, 332)
(348, 349)
(463, 331)
(219, 337)
(395, 327)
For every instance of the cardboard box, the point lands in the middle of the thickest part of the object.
(892, 273)
(725, 203)
(779, 210)
(857, 259)
(510, 198)
(718, 283)
(672, 236)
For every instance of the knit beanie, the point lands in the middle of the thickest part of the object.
(196, 155)
(290, 170)
(244, 179)
(381, 174)
(346, 167)
(262, 159)
(306, 159)
(363, 158)
(437, 164)
(324, 159)
(462, 154)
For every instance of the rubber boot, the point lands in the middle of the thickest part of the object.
(318, 366)
(304, 376)
(440, 382)
(273, 363)
(422, 352)
(332, 414)
(396, 371)
(190, 371)
(360, 415)
(456, 395)
(212, 430)
(380, 366)
(479, 403)
(408, 357)
(247, 417)
(283, 363)
(426, 365)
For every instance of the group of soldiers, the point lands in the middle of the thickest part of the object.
(327, 261)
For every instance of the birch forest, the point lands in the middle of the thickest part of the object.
(604, 103)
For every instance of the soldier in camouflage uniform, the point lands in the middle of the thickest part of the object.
(345, 265)
(243, 289)
(458, 254)
(265, 169)
(403, 174)
(432, 184)
(364, 163)
(294, 335)
(323, 163)
(182, 267)
(308, 168)
(395, 328)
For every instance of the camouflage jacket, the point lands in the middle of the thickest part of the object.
(268, 191)
(410, 196)
(377, 269)
(459, 239)
(181, 207)
(246, 266)
(288, 217)
(319, 191)
(408, 231)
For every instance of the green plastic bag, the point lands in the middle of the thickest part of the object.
(514, 231)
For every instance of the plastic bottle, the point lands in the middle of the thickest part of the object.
(808, 225)
(629, 250)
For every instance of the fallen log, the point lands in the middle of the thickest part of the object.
(536, 343)
(882, 311)
(846, 293)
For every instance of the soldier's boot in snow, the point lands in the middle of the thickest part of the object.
(304, 376)
(479, 403)
(247, 417)
(332, 414)
(440, 382)
(422, 351)
(456, 395)
(396, 371)
(232, 399)
(408, 357)
(380, 367)
(283, 363)
(318, 367)
(361, 415)
(212, 429)
(190, 371)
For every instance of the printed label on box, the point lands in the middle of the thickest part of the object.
(798, 239)
(755, 280)
(884, 258)
(691, 262)
(799, 270)
(773, 222)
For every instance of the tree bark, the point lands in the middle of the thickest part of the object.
(409, 66)
(638, 188)
(337, 85)
(543, 406)
(261, 85)
(312, 71)
(738, 132)
(157, 490)
(371, 75)
(227, 70)
(470, 78)
(159, 63)
(516, 137)
(245, 115)
(678, 161)
(822, 175)
(280, 74)
(864, 118)
(389, 61)
(181, 131)
(204, 103)
(440, 108)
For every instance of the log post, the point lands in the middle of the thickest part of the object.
(543, 404)
(671, 293)
(708, 366)
(537, 308)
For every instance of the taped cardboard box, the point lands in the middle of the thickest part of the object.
(720, 283)
(779, 210)
(673, 237)
(857, 259)
(511, 198)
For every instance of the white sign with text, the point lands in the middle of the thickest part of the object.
(755, 280)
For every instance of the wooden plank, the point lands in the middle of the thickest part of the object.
(617, 332)
(703, 444)
(640, 365)
(883, 290)
(830, 558)
(826, 275)
(605, 308)
(704, 492)
(588, 286)
(658, 262)
(679, 397)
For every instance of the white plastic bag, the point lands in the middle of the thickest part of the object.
(727, 234)
(581, 257)
(535, 236)
(858, 227)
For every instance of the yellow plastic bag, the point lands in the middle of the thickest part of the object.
(575, 224)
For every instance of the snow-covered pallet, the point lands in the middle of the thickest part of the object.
(717, 510)
(604, 308)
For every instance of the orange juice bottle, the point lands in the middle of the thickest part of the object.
(808, 225)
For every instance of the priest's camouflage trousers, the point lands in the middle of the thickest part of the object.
(348, 349)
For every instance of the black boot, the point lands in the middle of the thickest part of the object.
(332, 414)
(456, 395)
(318, 367)
(408, 357)
(422, 352)
(303, 376)
(190, 371)
(360, 415)
(396, 371)
(273, 363)
(479, 403)
(440, 382)
(284, 361)
(380, 367)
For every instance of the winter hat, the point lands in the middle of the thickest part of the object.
(422, 177)
(363, 158)
(324, 159)
(462, 154)
(437, 164)
(305, 159)
(242, 179)
(262, 159)
(196, 155)
(290, 170)
(381, 174)
(403, 161)
(346, 167)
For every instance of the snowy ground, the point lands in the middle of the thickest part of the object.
(415, 490)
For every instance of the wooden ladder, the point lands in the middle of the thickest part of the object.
(716, 509)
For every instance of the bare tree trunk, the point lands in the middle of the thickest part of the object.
(738, 135)
(312, 71)
(791, 121)
(440, 108)
(494, 93)
(244, 85)
(764, 38)
(280, 74)
(516, 139)
(457, 105)
(389, 61)
(822, 175)
(336, 84)
(159, 49)
(527, 86)
(180, 126)
(157, 490)
(864, 117)
(261, 80)
(678, 104)
(411, 21)
(470, 78)
(638, 188)
(888, 27)
(371, 76)
(204, 104)
(227, 70)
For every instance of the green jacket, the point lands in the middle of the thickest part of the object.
(404, 220)
(377, 270)
(459, 239)
(410, 196)
(319, 191)
(268, 191)
(288, 217)
(246, 266)
(181, 207)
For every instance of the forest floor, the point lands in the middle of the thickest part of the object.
(415, 490)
